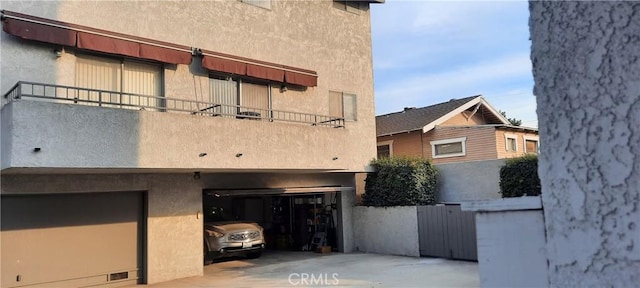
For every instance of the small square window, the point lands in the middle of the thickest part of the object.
(531, 146)
(385, 149)
(343, 105)
(349, 106)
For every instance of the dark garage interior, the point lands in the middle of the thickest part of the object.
(291, 222)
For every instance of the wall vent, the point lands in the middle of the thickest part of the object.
(118, 276)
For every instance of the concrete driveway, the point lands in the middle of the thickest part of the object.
(307, 269)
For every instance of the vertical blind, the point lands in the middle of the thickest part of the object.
(121, 78)
(224, 91)
(252, 97)
(335, 104)
(255, 96)
(349, 107)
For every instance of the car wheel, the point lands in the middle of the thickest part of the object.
(254, 255)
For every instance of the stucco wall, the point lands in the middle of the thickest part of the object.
(386, 230)
(469, 181)
(306, 34)
(346, 226)
(72, 136)
(586, 65)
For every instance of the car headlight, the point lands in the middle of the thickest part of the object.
(212, 233)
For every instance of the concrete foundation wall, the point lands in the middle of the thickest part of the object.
(391, 230)
(469, 181)
(586, 67)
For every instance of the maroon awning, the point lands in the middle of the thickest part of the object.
(164, 54)
(39, 32)
(108, 45)
(300, 79)
(224, 65)
(263, 72)
(67, 34)
(62, 33)
(237, 65)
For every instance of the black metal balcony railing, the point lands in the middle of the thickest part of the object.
(111, 99)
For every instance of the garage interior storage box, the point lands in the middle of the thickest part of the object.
(323, 249)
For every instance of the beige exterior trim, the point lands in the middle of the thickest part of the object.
(476, 101)
(506, 143)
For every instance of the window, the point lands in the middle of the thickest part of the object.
(119, 75)
(239, 96)
(343, 105)
(531, 145)
(385, 149)
(511, 143)
(266, 4)
(449, 147)
(350, 6)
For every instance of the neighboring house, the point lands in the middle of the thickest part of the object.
(120, 118)
(459, 130)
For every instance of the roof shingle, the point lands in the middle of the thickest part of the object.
(416, 118)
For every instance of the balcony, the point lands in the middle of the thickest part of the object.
(61, 129)
(112, 99)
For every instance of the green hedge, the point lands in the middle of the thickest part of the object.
(401, 182)
(519, 176)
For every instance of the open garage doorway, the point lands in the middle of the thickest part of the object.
(291, 221)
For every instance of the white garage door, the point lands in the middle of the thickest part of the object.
(72, 240)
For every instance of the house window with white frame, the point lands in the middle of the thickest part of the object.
(343, 105)
(531, 145)
(385, 149)
(511, 143)
(449, 147)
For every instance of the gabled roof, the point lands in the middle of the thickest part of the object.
(426, 118)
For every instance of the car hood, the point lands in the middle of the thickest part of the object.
(228, 226)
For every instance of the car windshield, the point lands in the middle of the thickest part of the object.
(217, 214)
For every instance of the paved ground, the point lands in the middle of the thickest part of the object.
(306, 269)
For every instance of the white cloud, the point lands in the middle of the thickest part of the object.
(477, 75)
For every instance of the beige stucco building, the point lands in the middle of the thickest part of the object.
(120, 117)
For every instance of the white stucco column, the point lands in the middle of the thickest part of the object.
(586, 65)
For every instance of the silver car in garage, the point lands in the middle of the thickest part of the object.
(231, 238)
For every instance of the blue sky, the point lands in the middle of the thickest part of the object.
(427, 52)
